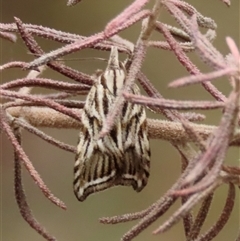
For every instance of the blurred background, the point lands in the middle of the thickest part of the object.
(80, 221)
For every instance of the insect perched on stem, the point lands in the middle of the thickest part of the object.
(121, 157)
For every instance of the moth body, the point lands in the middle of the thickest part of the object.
(121, 157)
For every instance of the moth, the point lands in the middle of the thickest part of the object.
(122, 157)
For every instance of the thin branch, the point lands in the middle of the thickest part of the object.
(157, 129)
(21, 197)
(23, 157)
(225, 215)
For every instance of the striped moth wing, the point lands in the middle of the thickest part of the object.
(122, 157)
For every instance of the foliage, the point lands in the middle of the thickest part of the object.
(203, 169)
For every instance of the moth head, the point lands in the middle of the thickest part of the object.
(114, 75)
(113, 62)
